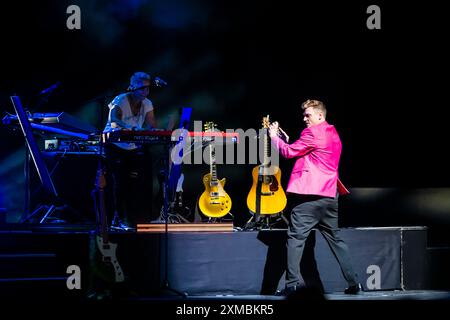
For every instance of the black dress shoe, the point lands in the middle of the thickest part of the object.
(290, 290)
(354, 289)
(302, 293)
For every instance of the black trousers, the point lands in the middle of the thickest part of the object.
(130, 172)
(321, 213)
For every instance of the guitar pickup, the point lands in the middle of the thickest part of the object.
(267, 193)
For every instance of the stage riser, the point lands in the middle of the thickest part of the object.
(224, 263)
(252, 263)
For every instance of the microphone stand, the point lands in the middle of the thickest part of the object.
(44, 95)
(165, 283)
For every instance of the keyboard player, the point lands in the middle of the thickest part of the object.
(129, 163)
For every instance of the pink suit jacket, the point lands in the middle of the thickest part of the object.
(316, 170)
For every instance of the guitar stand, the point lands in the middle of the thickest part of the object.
(252, 225)
(219, 220)
(172, 217)
(263, 222)
(177, 218)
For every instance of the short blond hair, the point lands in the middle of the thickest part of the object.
(316, 104)
(139, 77)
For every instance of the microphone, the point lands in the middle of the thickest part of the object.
(50, 89)
(160, 82)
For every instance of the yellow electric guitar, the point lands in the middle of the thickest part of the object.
(266, 197)
(214, 201)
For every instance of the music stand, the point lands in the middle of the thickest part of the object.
(39, 163)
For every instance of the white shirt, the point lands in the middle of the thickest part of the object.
(128, 117)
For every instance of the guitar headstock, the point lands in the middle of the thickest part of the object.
(266, 122)
(210, 126)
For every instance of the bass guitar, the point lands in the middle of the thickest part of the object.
(107, 266)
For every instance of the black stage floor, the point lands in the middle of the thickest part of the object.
(426, 295)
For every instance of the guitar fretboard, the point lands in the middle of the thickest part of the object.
(212, 164)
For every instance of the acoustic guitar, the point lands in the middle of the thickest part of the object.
(266, 196)
(214, 201)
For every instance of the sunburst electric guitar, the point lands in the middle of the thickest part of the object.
(214, 201)
(266, 197)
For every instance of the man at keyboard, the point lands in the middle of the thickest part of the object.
(130, 163)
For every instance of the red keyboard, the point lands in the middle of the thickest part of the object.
(167, 136)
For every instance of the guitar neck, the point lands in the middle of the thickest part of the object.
(266, 162)
(102, 219)
(212, 164)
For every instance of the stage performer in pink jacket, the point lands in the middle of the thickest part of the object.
(314, 185)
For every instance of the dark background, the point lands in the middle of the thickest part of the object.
(235, 61)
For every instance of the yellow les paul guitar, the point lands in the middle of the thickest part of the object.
(214, 201)
(266, 197)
